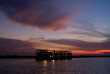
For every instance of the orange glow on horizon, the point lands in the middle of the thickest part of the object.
(82, 52)
(104, 50)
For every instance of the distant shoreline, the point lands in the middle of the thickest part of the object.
(1, 57)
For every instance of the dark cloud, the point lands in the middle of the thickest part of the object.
(83, 45)
(13, 47)
(40, 14)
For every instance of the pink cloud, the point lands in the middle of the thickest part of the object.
(43, 14)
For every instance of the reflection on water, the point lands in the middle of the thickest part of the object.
(66, 60)
(53, 63)
(45, 63)
(74, 66)
(44, 66)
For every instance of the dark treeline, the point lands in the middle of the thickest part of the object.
(16, 56)
(81, 56)
(90, 56)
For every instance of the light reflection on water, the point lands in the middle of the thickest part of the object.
(53, 63)
(74, 66)
(45, 63)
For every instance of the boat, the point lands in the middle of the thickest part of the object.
(52, 55)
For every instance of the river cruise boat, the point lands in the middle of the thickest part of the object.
(52, 54)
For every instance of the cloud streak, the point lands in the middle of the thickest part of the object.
(87, 27)
(42, 14)
(83, 45)
(36, 38)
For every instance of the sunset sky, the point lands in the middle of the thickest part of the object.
(81, 26)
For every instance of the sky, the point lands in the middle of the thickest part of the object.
(79, 26)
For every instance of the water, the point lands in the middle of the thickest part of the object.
(74, 66)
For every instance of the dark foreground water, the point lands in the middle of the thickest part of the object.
(74, 66)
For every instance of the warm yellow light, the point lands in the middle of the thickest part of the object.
(45, 63)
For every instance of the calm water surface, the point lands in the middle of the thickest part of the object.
(74, 66)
